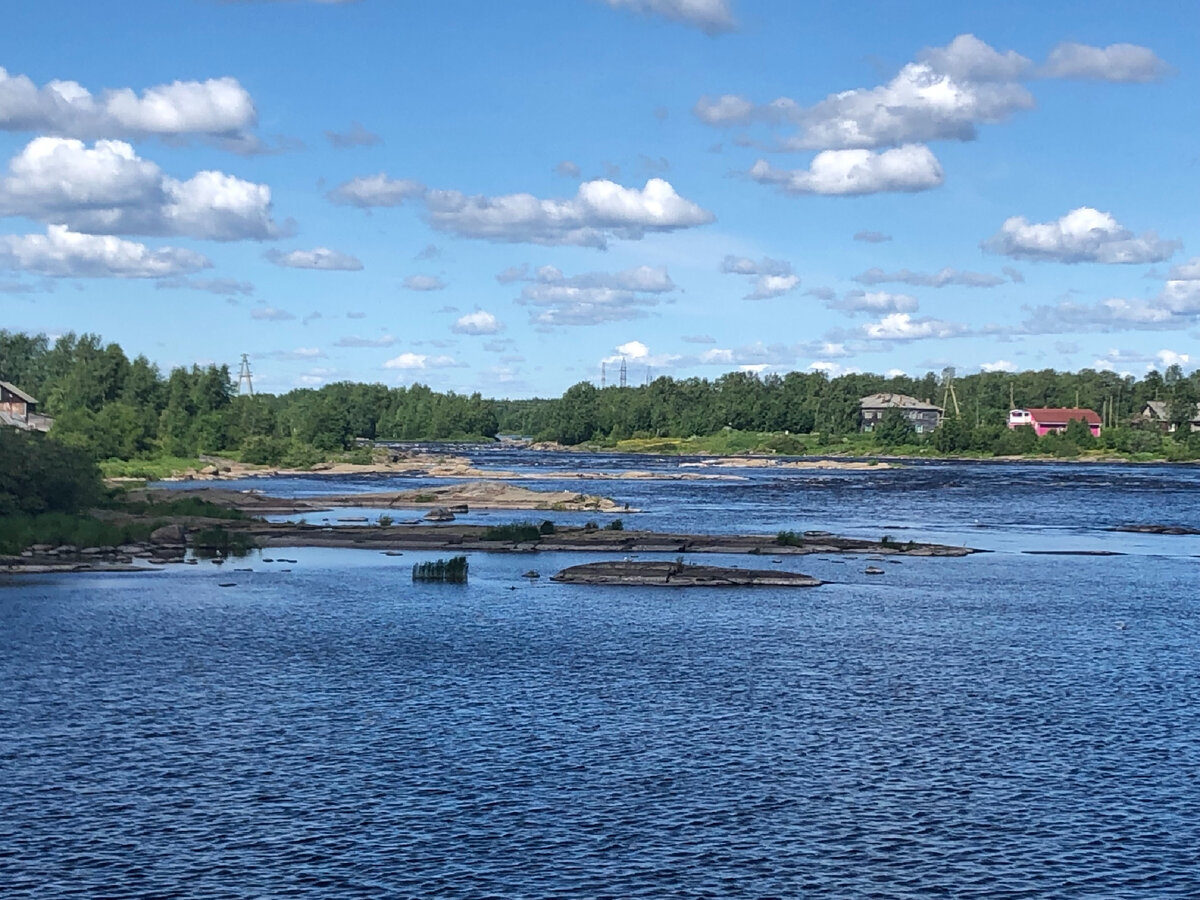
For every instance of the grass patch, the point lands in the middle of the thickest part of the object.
(20, 532)
(218, 541)
(155, 469)
(184, 506)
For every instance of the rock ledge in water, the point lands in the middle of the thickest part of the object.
(671, 574)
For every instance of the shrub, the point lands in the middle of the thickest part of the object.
(518, 532)
(217, 541)
(789, 539)
(385, 520)
(615, 525)
(261, 450)
(547, 527)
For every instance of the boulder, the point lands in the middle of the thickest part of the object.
(439, 514)
(168, 535)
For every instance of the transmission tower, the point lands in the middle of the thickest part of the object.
(244, 376)
(603, 377)
(624, 373)
(948, 395)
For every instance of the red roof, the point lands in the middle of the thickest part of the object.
(1063, 416)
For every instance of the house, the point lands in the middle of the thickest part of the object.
(1044, 421)
(1157, 414)
(923, 416)
(19, 410)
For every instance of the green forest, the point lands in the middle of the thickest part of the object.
(113, 408)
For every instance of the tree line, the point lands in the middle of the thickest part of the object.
(114, 407)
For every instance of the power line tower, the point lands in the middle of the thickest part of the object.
(244, 376)
(624, 373)
(948, 394)
(603, 377)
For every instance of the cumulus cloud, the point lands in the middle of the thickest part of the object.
(942, 278)
(424, 283)
(599, 211)
(218, 107)
(772, 277)
(909, 168)
(872, 237)
(63, 253)
(1082, 235)
(875, 302)
(478, 322)
(318, 258)
(1116, 62)
(355, 136)
(639, 354)
(410, 361)
(713, 17)
(376, 190)
(593, 297)
(108, 189)
(901, 326)
(944, 95)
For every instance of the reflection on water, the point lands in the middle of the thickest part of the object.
(1004, 724)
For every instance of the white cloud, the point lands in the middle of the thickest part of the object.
(318, 258)
(1167, 358)
(901, 326)
(832, 369)
(600, 210)
(946, 276)
(698, 339)
(270, 314)
(216, 107)
(424, 283)
(593, 297)
(513, 273)
(61, 252)
(875, 302)
(728, 109)
(226, 287)
(639, 354)
(1188, 271)
(376, 190)
(967, 58)
(912, 167)
(1082, 235)
(1116, 62)
(713, 17)
(109, 189)
(772, 277)
(419, 361)
(478, 322)
(568, 169)
(945, 95)
(757, 355)
(1000, 365)
(385, 341)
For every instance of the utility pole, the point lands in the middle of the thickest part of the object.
(244, 376)
(1012, 404)
(948, 394)
(624, 373)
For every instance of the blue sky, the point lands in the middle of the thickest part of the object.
(501, 196)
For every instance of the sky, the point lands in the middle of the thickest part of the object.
(507, 197)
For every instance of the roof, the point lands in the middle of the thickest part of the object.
(13, 389)
(1061, 416)
(900, 401)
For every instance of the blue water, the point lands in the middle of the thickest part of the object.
(1001, 725)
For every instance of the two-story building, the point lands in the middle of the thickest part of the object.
(923, 416)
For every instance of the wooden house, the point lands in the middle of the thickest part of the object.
(1157, 414)
(19, 410)
(1044, 421)
(923, 416)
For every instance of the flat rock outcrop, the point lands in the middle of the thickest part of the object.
(672, 574)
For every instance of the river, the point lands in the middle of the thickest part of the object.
(1018, 723)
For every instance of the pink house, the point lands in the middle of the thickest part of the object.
(1044, 421)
